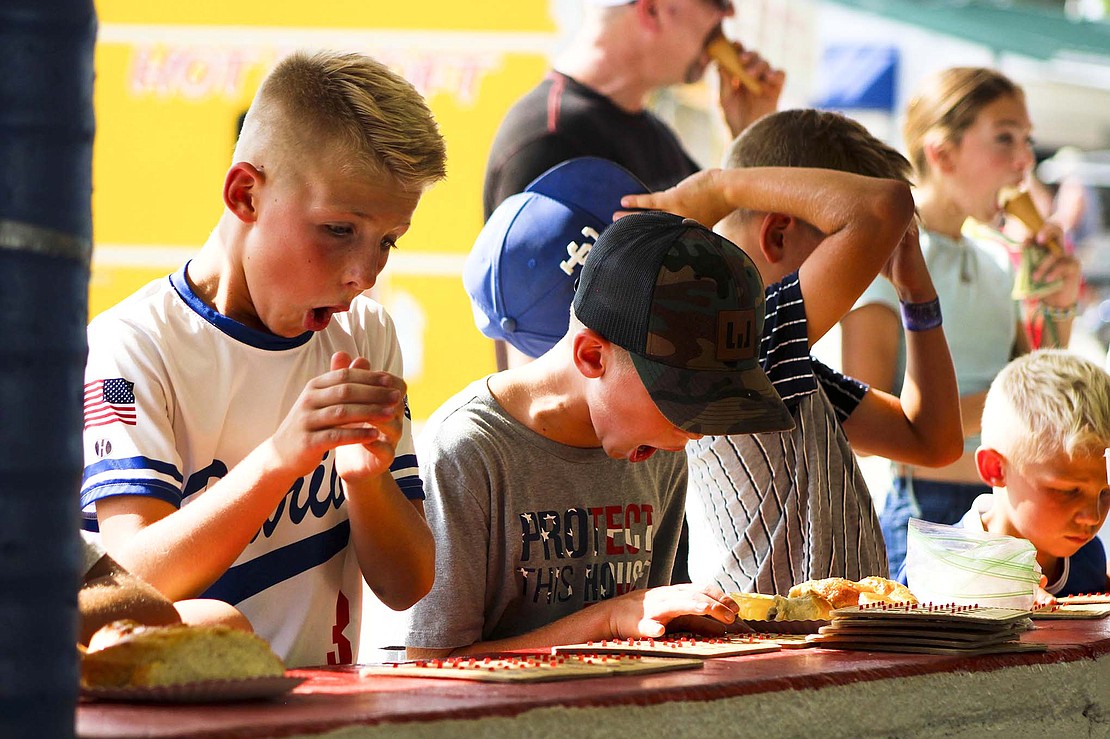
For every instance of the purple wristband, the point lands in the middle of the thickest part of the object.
(921, 316)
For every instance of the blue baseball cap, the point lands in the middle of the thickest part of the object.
(520, 275)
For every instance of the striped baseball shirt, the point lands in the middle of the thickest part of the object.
(768, 511)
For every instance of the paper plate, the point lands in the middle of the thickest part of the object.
(206, 691)
(785, 627)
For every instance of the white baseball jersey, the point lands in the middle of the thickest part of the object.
(177, 394)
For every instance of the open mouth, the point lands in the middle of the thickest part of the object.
(318, 319)
(640, 453)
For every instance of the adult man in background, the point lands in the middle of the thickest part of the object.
(594, 101)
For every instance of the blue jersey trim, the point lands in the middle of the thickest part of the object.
(412, 487)
(251, 578)
(229, 326)
(1086, 570)
(132, 463)
(404, 462)
(410, 484)
(147, 488)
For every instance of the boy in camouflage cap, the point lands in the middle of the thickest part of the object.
(560, 484)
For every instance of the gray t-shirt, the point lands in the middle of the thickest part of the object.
(529, 530)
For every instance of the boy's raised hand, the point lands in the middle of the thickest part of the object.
(646, 613)
(700, 196)
(352, 408)
(907, 271)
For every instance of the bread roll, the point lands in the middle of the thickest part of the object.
(890, 591)
(126, 654)
(843, 593)
(838, 591)
(807, 607)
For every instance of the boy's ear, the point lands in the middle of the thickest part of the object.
(647, 13)
(772, 236)
(590, 355)
(989, 463)
(240, 189)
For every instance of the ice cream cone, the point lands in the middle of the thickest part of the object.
(1019, 204)
(722, 51)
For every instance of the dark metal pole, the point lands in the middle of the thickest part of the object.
(46, 134)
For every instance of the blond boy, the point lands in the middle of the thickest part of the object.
(1046, 428)
(246, 430)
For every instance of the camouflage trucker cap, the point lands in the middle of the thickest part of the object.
(688, 306)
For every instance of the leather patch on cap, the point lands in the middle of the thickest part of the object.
(736, 339)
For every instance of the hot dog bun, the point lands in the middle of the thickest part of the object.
(721, 50)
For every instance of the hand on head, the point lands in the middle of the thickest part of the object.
(647, 613)
(351, 407)
(699, 196)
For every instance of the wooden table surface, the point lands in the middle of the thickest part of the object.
(338, 698)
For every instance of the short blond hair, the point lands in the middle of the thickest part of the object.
(368, 118)
(1047, 402)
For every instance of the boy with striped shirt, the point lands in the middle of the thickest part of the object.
(767, 511)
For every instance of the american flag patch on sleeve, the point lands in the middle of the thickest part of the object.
(109, 401)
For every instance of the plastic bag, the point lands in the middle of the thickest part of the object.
(949, 564)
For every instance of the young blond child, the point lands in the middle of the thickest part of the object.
(1045, 430)
(768, 511)
(246, 430)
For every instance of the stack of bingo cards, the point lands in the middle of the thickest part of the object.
(927, 628)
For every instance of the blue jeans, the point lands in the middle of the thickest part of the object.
(939, 502)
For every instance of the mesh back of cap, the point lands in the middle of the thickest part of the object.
(614, 295)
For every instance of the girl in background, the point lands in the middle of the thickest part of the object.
(967, 134)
